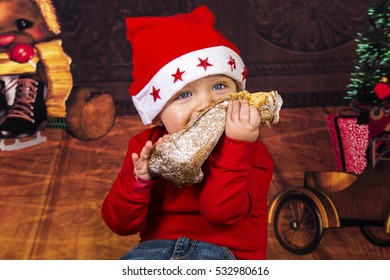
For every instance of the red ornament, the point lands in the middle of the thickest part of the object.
(22, 53)
(382, 90)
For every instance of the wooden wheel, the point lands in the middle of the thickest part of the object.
(298, 225)
(376, 235)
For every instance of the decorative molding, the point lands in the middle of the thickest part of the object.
(307, 25)
(301, 67)
(314, 99)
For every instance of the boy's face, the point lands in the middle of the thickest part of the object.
(195, 97)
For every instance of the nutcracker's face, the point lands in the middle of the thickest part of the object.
(21, 22)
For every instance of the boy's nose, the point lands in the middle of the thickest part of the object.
(204, 102)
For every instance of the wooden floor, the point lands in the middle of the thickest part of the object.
(51, 194)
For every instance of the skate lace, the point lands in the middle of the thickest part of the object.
(26, 93)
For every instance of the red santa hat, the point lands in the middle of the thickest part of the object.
(170, 52)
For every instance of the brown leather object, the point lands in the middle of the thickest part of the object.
(90, 113)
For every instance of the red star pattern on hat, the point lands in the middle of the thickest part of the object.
(155, 94)
(178, 75)
(204, 63)
(232, 63)
(244, 73)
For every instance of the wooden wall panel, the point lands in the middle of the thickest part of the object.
(303, 48)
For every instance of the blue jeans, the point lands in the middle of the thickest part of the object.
(181, 249)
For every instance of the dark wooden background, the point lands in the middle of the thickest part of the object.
(51, 194)
(303, 48)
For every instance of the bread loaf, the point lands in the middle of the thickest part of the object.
(179, 159)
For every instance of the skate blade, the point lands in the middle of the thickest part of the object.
(18, 144)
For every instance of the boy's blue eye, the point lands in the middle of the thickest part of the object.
(218, 86)
(183, 95)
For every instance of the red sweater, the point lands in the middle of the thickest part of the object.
(227, 208)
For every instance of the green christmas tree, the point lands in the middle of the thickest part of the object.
(373, 62)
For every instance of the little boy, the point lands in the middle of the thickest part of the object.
(181, 65)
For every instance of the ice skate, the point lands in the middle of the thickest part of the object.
(28, 112)
(18, 144)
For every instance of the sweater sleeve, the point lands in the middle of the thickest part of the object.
(238, 175)
(125, 207)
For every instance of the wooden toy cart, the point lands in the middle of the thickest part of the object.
(333, 199)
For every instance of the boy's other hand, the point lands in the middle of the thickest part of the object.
(242, 121)
(141, 162)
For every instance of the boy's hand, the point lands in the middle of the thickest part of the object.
(242, 121)
(141, 162)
